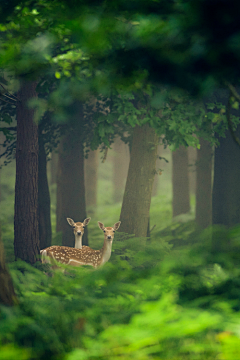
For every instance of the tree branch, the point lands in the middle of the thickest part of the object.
(233, 91)
(7, 101)
(9, 97)
(152, 228)
(11, 128)
(8, 92)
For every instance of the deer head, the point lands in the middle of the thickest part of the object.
(109, 231)
(78, 230)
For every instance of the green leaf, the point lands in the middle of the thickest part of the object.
(235, 105)
(57, 75)
(211, 106)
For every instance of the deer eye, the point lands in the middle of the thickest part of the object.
(104, 230)
(73, 227)
(83, 226)
(113, 230)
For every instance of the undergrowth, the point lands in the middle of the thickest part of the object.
(152, 301)
(172, 296)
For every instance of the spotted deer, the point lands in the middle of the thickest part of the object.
(84, 256)
(78, 230)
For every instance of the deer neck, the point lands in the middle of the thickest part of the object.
(78, 241)
(106, 250)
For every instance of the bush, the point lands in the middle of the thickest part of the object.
(147, 302)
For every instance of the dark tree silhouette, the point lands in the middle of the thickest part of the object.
(26, 232)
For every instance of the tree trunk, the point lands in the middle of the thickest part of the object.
(192, 159)
(138, 190)
(91, 177)
(45, 230)
(157, 176)
(71, 188)
(26, 233)
(59, 215)
(53, 166)
(204, 185)
(226, 189)
(7, 294)
(180, 182)
(120, 168)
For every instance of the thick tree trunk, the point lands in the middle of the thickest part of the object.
(91, 177)
(226, 189)
(120, 168)
(180, 182)
(7, 294)
(53, 166)
(204, 185)
(59, 215)
(138, 190)
(192, 159)
(45, 230)
(26, 233)
(157, 176)
(71, 188)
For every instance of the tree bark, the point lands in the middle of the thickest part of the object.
(59, 215)
(204, 185)
(180, 182)
(226, 189)
(120, 168)
(53, 166)
(138, 190)
(26, 232)
(157, 175)
(91, 177)
(71, 187)
(192, 159)
(45, 229)
(7, 294)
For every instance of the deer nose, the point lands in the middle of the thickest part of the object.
(79, 232)
(109, 237)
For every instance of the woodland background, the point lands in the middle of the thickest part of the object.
(130, 111)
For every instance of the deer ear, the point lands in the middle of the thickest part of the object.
(101, 225)
(116, 226)
(86, 221)
(70, 221)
